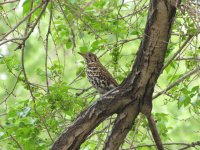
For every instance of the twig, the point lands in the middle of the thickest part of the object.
(153, 145)
(23, 46)
(133, 13)
(9, 1)
(12, 88)
(78, 15)
(180, 49)
(46, 45)
(77, 77)
(136, 129)
(84, 90)
(23, 67)
(13, 138)
(22, 53)
(193, 144)
(186, 75)
(70, 26)
(3, 114)
(19, 23)
(189, 58)
(12, 40)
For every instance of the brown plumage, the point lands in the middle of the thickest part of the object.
(97, 74)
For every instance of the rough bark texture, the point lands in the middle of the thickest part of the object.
(134, 95)
(122, 126)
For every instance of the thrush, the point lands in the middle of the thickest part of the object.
(97, 74)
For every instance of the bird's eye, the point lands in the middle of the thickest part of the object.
(89, 55)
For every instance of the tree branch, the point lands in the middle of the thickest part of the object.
(193, 144)
(81, 128)
(187, 145)
(9, 1)
(70, 26)
(19, 23)
(178, 51)
(46, 45)
(186, 75)
(154, 132)
(122, 126)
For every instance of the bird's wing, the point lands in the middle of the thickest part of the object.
(108, 75)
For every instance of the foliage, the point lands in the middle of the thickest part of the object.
(40, 101)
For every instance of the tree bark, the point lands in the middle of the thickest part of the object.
(123, 124)
(134, 95)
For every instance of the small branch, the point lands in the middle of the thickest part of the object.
(83, 91)
(136, 129)
(13, 40)
(46, 45)
(70, 26)
(19, 23)
(12, 88)
(153, 145)
(103, 130)
(193, 144)
(22, 54)
(195, 58)
(9, 1)
(23, 46)
(13, 138)
(133, 13)
(3, 114)
(78, 14)
(27, 34)
(180, 49)
(186, 75)
(154, 132)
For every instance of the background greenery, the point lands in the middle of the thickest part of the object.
(111, 29)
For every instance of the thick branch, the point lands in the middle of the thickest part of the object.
(76, 134)
(122, 126)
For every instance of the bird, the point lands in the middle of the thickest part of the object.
(97, 74)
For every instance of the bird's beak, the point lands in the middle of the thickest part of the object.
(82, 54)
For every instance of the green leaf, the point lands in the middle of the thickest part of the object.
(84, 49)
(68, 44)
(26, 6)
(195, 89)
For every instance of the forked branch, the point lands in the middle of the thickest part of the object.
(134, 95)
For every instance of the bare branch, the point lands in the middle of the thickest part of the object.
(154, 132)
(188, 145)
(186, 75)
(9, 1)
(19, 23)
(46, 45)
(178, 51)
(193, 144)
(195, 58)
(12, 88)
